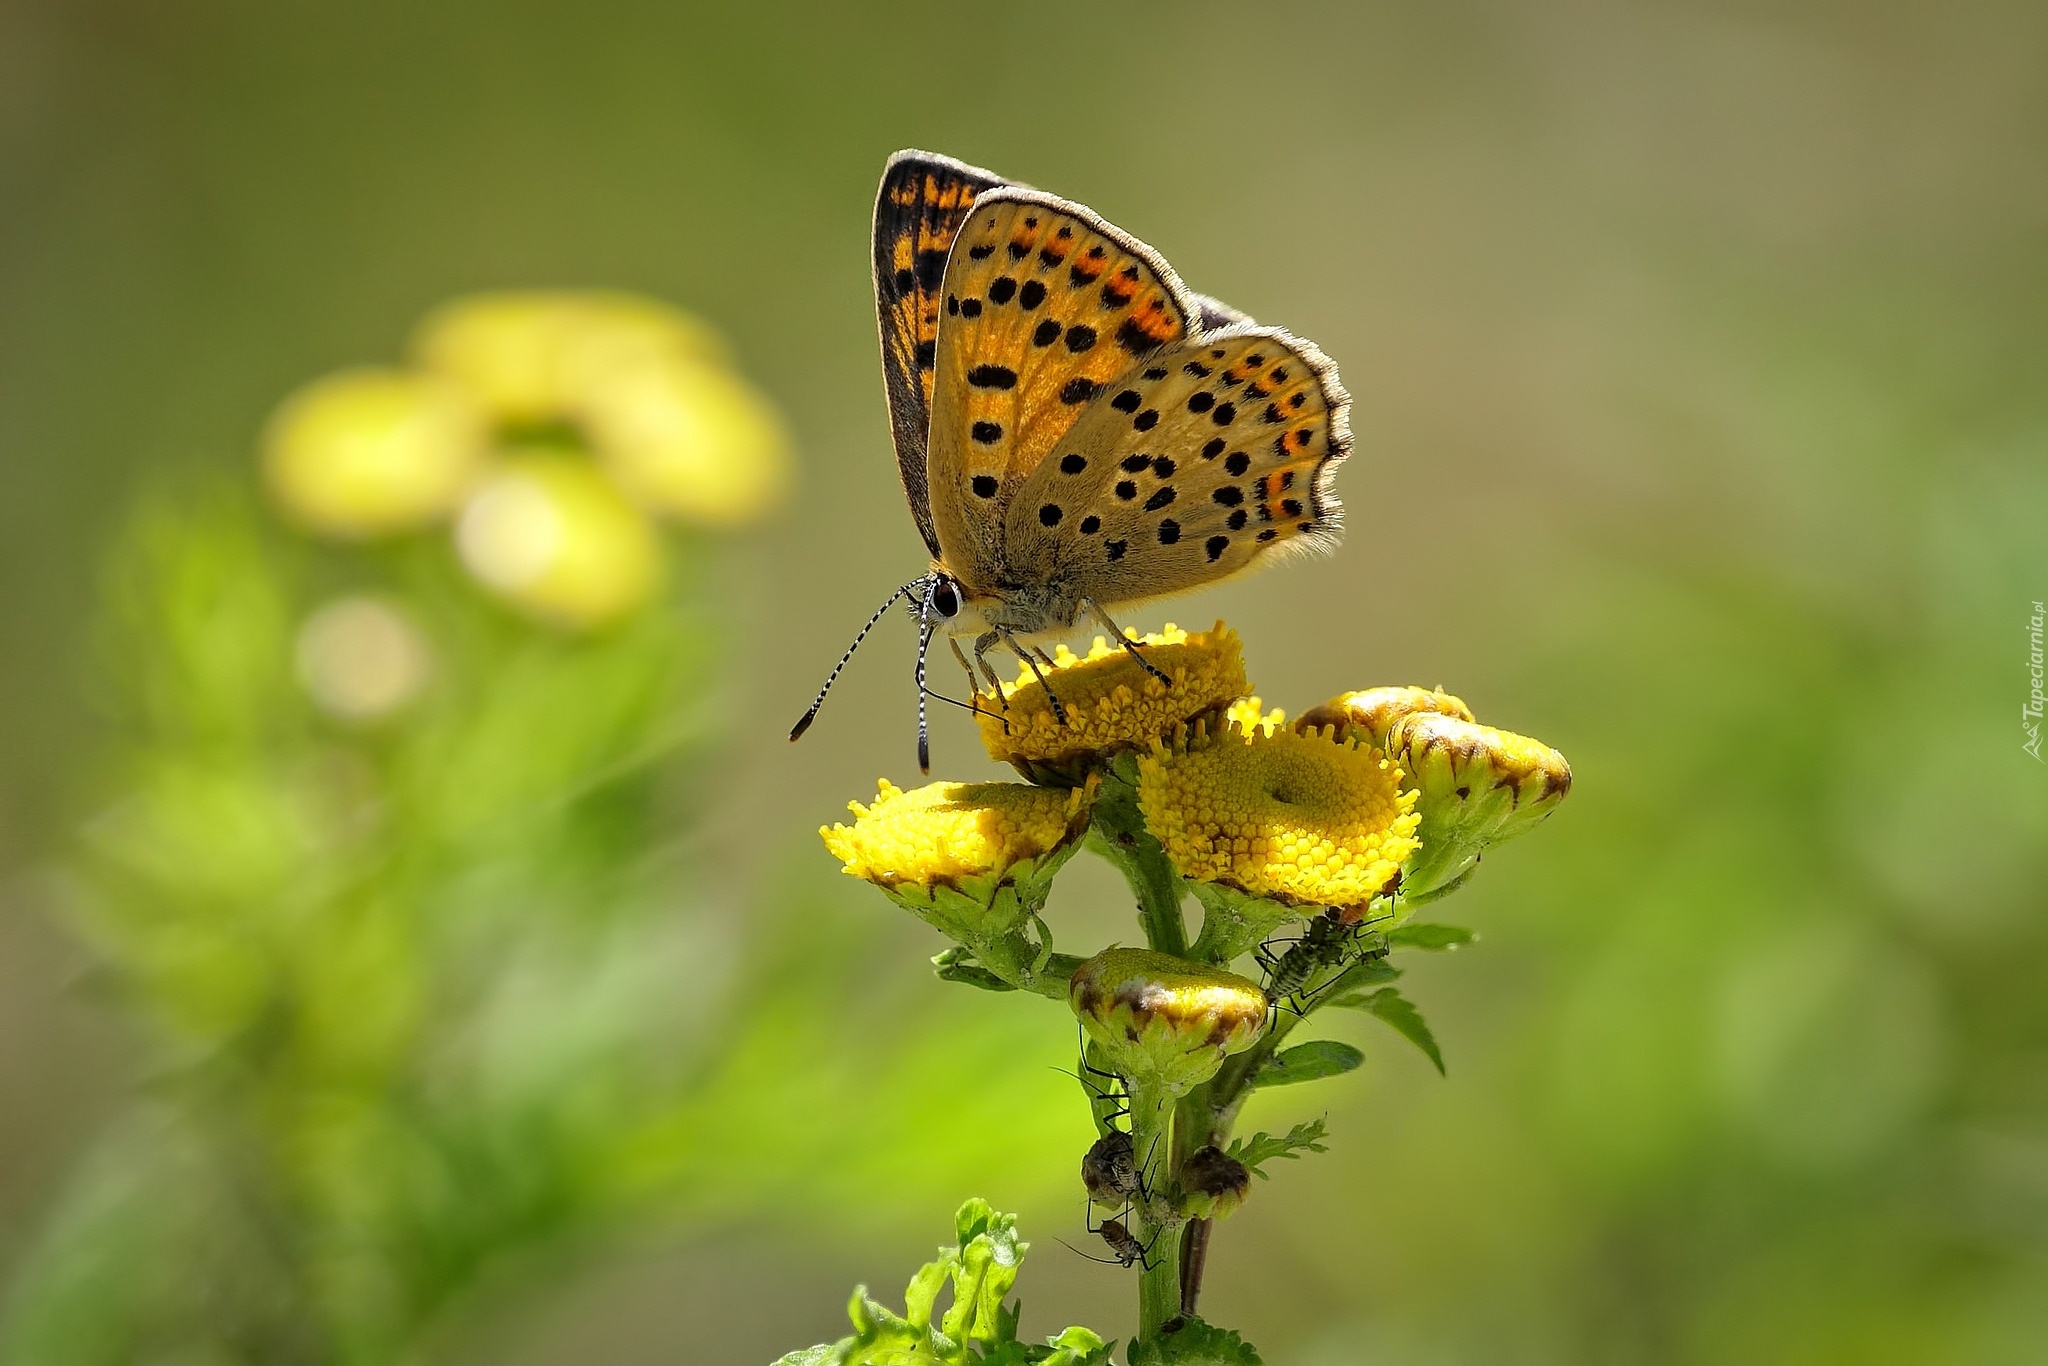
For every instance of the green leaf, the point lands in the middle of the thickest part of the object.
(1262, 1148)
(1078, 1347)
(824, 1354)
(1397, 1010)
(1194, 1343)
(1424, 935)
(958, 964)
(979, 1329)
(1309, 1062)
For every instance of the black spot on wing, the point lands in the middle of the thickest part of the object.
(992, 377)
(1134, 338)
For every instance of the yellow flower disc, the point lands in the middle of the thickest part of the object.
(947, 833)
(536, 355)
(690, 440)
(1308, 820)
(366, 452)
(1111, 702)
(553, 538)
(1373, 712)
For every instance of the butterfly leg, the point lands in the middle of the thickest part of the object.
(1059, 711)
(1116, 633)
(983, 643)
(974, 685)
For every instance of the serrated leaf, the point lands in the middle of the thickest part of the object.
(1194, 1343)
(1262, 1147)
(1424, 935)
(978, 1327)
(1311, 1061)
(1077, 1347)
(1398, 1011)
(923, 1291)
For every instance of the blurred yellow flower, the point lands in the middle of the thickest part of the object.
(688, 440)
(949, 833)
(365, 452)
(535, 355)
(552, 537)
(361, 658)
(1306, 820)
(1111, 702)
(1163, 1021)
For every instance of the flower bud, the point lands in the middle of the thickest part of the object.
(1163, 1022)
(1370, 714)
(1476, 786)
(362, 659)
(554, 539)
(1212, 1183)
(368, 452)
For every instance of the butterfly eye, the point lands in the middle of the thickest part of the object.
(946, 600)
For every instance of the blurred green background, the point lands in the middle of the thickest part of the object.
(1702, 426)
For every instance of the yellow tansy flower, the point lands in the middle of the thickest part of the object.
(1475, 786)
(553, 538)
(536, 355)
(973, 860)
(1111, 702)
(367, 452)
(1372, 712)
(1303, 819)
(948, 834)
(1162, 1021)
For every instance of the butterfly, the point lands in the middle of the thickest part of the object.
(1075, 430)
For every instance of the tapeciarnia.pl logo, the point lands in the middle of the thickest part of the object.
(2030, 714)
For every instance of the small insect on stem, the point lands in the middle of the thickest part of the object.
(1322, 945)
(1124, 1246)
(1112, 1174)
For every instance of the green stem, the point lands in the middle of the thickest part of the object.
(1158, 1284)
(1119, 834)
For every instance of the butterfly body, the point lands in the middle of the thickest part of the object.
(1075, 430)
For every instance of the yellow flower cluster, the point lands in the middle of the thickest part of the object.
(550, 427)
(1370, 797)
(1302, 819)
(1110, 701)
